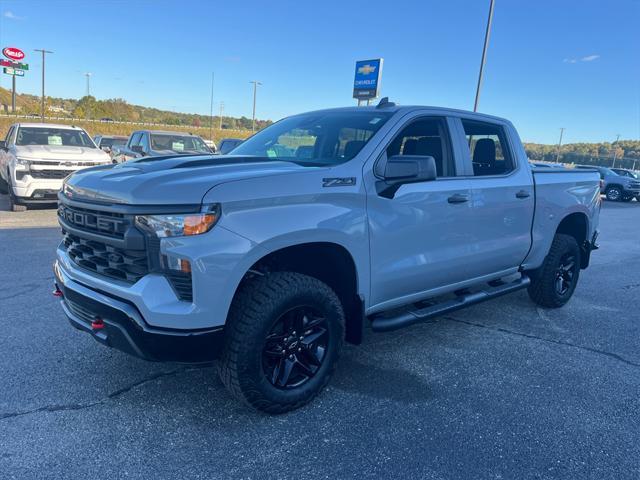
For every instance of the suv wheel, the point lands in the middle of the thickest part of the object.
(283, 339)
(614, 194)
(553, 284)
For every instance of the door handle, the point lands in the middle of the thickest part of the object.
(523, 194)
(458, 198)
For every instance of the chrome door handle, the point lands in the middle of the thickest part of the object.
(523, 194)
(458, 198)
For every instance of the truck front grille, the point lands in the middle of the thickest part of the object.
(127, 265)
(52, 174)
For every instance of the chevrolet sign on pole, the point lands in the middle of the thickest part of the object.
(366, 84)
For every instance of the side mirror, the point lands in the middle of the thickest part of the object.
(410, 169)
(137, 149)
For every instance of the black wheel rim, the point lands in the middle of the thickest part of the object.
(295, 348)
(565, 274)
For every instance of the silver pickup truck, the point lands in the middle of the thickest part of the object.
(316, 228)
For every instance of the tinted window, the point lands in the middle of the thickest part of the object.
(321, 138)
(53, 137)
(488, 148)
(178, 143)
(429, 137)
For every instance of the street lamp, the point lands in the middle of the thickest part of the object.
(44, 52)
(253, 118)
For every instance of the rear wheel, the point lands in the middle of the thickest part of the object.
(283, 338)
(553, 284)
(614, 194)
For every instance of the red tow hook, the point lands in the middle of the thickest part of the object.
(97, 324)
(57, 292)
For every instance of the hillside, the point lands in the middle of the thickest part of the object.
(119, 110)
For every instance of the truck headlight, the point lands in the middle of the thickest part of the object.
(22, 163)
(178, 225)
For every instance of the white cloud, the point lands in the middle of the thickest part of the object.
(12, 16)
(588, 58)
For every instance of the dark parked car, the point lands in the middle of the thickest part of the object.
(228, 144)
(154, 143)
(107, 142)
(616, 187)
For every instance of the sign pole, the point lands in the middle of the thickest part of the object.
(13, 93)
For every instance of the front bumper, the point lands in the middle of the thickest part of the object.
(116, 323)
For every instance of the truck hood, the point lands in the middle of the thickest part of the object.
(168, 181)
(61, 153)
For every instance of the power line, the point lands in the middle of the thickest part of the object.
(44, 52)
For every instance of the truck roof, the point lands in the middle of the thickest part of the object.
(168, 132)
(48, 125)
(409, 108)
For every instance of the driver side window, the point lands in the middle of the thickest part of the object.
(428, 137)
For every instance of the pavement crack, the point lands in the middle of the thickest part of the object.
(615, 356)
(110, 396)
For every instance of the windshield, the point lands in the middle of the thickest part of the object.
(53, 136)
(110, 142)
(311, 139)
(178, 143)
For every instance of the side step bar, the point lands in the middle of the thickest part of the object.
(406, 318)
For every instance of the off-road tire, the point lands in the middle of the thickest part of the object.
(542, 289)
(257, 306)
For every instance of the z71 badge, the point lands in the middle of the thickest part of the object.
(339, 182)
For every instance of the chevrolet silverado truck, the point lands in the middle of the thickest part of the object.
(36, 157)
(317, 228)
(156, 143)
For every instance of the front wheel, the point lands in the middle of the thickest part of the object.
(283, 339)
(13, 203)
(553, 284)
(614, 194)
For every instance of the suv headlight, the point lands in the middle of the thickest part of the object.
(178, 225)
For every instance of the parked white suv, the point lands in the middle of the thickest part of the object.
(36, 157)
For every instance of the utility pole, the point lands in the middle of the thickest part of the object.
(253, 118)
(44, 52)
(221, 110)
(613, 165)
(484, 56)
(559, 145)
(211, 109)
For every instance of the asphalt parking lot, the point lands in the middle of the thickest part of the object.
(502, 390)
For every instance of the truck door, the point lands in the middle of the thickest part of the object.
(502, 197)
(419, 235)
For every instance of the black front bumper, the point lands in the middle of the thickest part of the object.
(123, 328)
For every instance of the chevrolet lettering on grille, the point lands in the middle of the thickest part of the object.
(91, 221)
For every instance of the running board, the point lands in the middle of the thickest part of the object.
(406, 318)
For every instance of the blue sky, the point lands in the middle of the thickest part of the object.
(551, 64)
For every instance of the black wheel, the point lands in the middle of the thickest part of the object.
(4, 187)
(553, 284)
(283, 337)
(13, 204)
(614, 194)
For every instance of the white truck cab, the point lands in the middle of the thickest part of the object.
(36, 157)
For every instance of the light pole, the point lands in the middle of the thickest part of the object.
(613, 165)
(253, 118)
(221, 110)
(88, 75)
(211, 109)
(44, 52)
(484, 56)
(559, 145)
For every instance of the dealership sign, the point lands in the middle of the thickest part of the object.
(13, 53)
(366, 83)
(13, 71)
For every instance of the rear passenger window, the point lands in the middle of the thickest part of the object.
(488, 147)
(427, 136)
